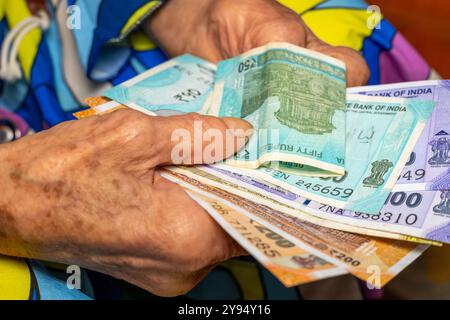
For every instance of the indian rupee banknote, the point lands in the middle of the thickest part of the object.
(180, 85)
(380, 136)
(422, 214)
(412, 216)
(429, 164)
(415, 216)
(289, 203)
(295, 99)
(371, 259)
(98, 106)
(291, 264)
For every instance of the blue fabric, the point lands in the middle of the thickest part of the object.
(381, 40)
(353, 4)
(51, 288)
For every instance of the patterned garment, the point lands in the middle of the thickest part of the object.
(57, 67)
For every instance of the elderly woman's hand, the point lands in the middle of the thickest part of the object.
(86, 192)
(220, 29)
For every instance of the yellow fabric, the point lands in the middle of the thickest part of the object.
(15, 278)
(248, 277)
(2, 9)
(300, 6)
(349, 29)
(16, 11)
(139, 41)
(15, 275)
(138, 15)
(336, 26)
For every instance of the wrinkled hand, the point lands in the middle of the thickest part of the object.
(220, 29)
(86, 192)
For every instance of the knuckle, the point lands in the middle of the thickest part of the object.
(359, 72)
(124, 116)
(135, 118)
(221, 6)
(192, 117)
(204, 122)
(128, 123)
(365, 73)
(214, 122)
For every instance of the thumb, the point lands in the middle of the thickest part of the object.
(198, 139)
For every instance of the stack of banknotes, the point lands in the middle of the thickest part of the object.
(333, 181)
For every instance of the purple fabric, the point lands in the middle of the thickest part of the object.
(402, 63)
(20, 124)
(371, 294)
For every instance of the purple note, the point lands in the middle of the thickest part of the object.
(428, 167)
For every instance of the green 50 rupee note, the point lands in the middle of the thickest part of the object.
(380, 135)
(295, 99)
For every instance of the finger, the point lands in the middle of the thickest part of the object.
(278, 30)
(357, 70)
(197, 139)
(186, 139)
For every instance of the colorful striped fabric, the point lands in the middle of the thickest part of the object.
(61, 66)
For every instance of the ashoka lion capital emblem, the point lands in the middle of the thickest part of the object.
(444, 205)
(379, 170)
(440, 148)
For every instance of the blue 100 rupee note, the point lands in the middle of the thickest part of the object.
(295, 99)
(381, 133)
(180, 85)
(428, 167)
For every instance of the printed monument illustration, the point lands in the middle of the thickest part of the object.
(378, 171)
(444, 205)
(440, 148)
(306, 103)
